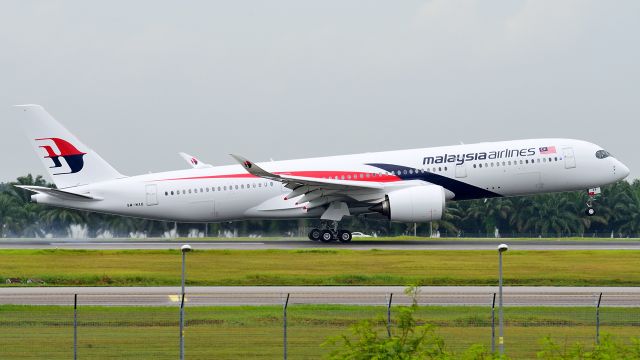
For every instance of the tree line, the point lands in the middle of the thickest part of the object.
(558, 214)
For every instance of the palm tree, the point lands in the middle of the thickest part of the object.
(491, 214)
(58, 220)
(548, 214)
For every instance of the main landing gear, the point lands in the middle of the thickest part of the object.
(327, 234)
(593, 194)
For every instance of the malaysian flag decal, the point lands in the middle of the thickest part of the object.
(547, 150)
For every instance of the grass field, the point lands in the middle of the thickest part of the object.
(322, 267)
(45, 332)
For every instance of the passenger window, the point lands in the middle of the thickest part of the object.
(172, 193)
(166, 193)
(189, 191)
(236, 187)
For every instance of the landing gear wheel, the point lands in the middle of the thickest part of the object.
(344, 236)
(314, 234)
(590, 211)
(326, 236)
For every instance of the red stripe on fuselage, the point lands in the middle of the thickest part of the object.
(332, 175)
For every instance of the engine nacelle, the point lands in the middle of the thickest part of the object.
(413, 204)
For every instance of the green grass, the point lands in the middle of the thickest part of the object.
(322, 267)
(39, 332)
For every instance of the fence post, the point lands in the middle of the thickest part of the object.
(75, 326)
(389, 314)
(598, 319)
(493, 324)
(284, 311)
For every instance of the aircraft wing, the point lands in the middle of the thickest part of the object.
(60, 194)
(317, 192)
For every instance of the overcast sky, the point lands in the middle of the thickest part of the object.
(139, 81)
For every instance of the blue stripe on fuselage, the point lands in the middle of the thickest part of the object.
(462, 191)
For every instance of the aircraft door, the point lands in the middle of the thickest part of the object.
(152, 195)
(461, 170)
(569, 158)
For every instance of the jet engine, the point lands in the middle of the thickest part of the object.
(413, 204)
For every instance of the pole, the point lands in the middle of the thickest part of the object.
(389, 315)
(182, 310)
(598, 320)
(75, 326)
(493, 324)
(284, 310)
(500, 312)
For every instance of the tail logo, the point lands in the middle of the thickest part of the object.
(71, 155)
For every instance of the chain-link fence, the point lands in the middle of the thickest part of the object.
(259, 325)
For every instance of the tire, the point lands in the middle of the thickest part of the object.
(314, 234)
(344, 236)
(590, 211)
(326, 236)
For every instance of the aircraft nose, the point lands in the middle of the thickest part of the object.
(622, 170)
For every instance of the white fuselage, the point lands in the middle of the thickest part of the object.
(472, 171)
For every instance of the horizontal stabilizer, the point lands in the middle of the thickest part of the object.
(60, 194)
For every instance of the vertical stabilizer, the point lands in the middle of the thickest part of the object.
(68, 161)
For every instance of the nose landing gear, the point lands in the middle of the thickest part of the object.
(327, 234)
(593, 194)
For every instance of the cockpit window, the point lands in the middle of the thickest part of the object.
(601, 154)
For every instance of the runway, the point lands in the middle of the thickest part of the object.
(348, 295)
(432, 244)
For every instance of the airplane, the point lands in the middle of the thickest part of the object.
(402, 186)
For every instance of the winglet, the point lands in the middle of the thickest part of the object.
(254, 169)
(193, 161)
